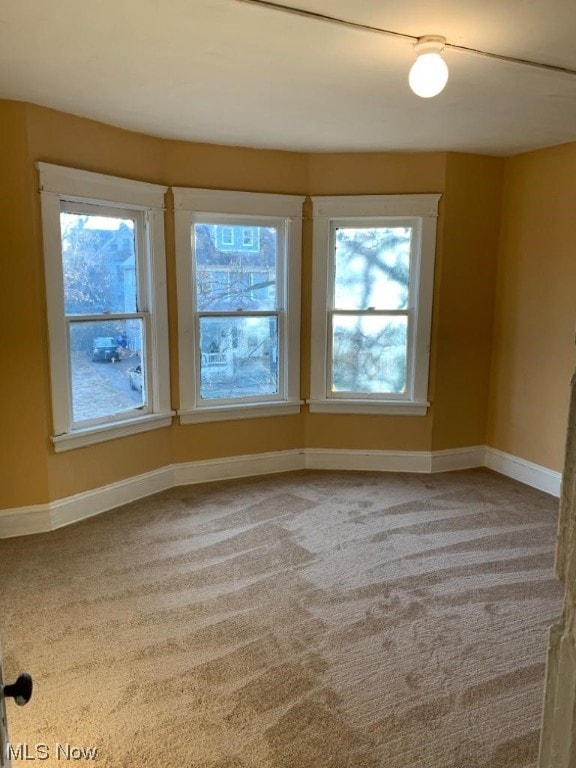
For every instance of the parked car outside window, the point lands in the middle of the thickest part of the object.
(105, 348)
(135, 378)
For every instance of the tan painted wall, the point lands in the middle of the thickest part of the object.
(464, 300)
(30, 471)
(23, 368)
(534, 353)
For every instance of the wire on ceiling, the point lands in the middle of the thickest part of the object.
(370, 28)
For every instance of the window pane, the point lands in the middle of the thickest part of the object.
(99, 264)
(372, 267)
(107, 368)
(369, 354)
(236, 267)
(238, 357)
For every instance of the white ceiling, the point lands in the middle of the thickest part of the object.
(225, 72)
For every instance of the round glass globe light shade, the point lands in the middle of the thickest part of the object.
(428, 75)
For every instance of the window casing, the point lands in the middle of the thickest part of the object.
(106, 299)
(373, 272)
(238, 268)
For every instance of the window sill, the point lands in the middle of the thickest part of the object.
(240, 411)
(90, 435)
(369, 407)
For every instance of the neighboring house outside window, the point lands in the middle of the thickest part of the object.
(106, 298)
(373, 274)
(238, 266)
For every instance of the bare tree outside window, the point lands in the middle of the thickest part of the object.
(370, 309)
(100, 291)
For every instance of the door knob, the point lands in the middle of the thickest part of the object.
(20, 691)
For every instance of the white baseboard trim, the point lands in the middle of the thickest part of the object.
(368, 461)
(238, 466)
(458, 458)
(22, 521)
(72, 509)
(396, 461)
(525, 471)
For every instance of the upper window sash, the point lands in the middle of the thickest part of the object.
(143, 293)
(412, 223)
(282, 246)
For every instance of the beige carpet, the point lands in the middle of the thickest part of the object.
(324, 620)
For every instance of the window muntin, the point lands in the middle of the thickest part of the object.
(239, 309)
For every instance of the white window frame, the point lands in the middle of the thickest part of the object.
(62, 187)
(417, 211)
(251, 209)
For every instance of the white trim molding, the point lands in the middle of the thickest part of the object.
(368, 461)
(418, 213)
(368, 407)
(84, 505)
(235, 412)
(69, 190)
(89, 186)
(102, 433)
(40, 518)
(251, 465)
(282, 213)
(526, 472)
(361, 206)
(458, 458)
(395, 461)
(237, 203)
(23, 521)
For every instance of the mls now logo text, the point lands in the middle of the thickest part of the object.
(44, 751)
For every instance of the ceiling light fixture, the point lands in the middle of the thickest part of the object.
(426, 58)
(429, 73)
